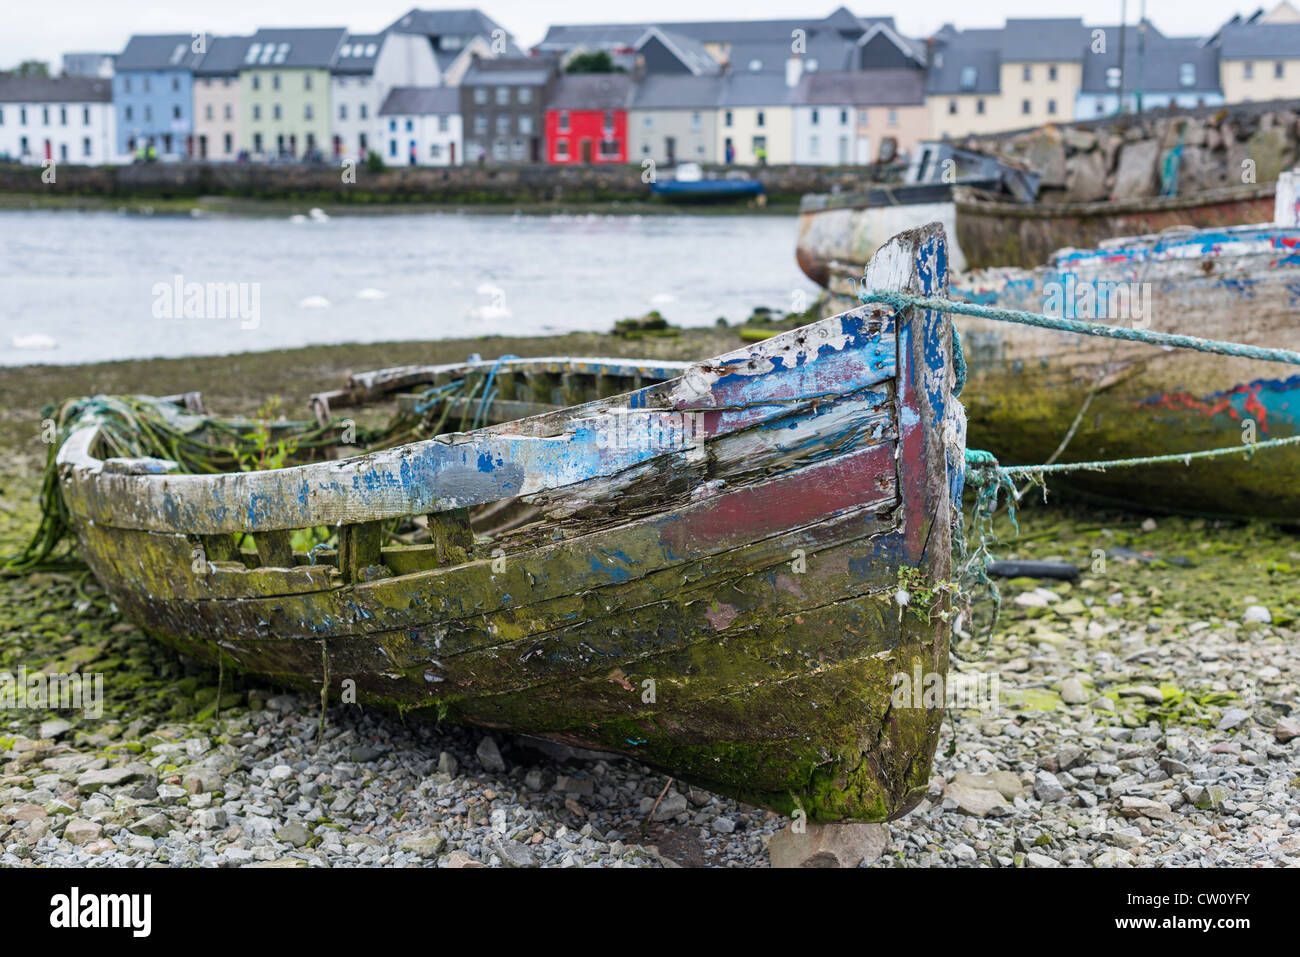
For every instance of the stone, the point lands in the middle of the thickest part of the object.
(1258, 614)
(573, 785)
(1114, 857)
(1272, 151)
(1232, 718)
(671, 805)
(55, 728)
(447, 764)
(461, 859)
(1073, 692)
(975, 798)
(534, 780)
(1085, 178)
(1047, 788)
(1137, 174)
(201, 781)
(1045, 152)
(489, 755)
(1033, 859)
(155, 825)
(294, 833)
(1286, 730)
(281, 772)
(724, 825)
(828, 845)
(423, 843)
(514, 854)
(211, 818)
(81, 832)
(92, 781)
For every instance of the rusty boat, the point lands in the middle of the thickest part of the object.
(693, 564)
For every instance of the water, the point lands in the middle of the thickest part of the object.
(84, 287)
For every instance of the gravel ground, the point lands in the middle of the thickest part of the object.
(1147, 715)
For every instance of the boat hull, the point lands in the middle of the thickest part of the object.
(710, 587)
(1026, 385)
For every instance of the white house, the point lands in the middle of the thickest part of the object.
(68, 119)
(422, 127)
(366, 68)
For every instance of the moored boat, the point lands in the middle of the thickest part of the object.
(688, 184)
(696, 565)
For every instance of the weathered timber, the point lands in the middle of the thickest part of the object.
(700, 572)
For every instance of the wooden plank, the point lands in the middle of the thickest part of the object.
(452, 538)
(359, 551)
(274, 550)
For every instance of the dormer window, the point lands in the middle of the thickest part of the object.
(253, 51)
(968, 77)
(281, 52)
(755, 65)
(810, 65)
(1113, 74)
(1187, 74)
(370, 49)
(451, 42)
(178, 54)
(345, 50)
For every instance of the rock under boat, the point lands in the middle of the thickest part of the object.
(702, 565)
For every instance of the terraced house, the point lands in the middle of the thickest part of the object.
(674, 118)
(503, 106)
(153, 94)
(367, 68)
(67, 119)
(1259, 57)
(284, 89)
(1159, 72)
(217, 114)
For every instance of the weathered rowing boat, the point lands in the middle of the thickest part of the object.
(1034, 393)
(850, 227)
(994, 232)
(840, 234)
(700, 572)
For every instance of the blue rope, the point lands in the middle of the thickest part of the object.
(958, 363)
(903, 300)
(487, 389)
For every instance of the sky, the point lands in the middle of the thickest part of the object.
(47, 29)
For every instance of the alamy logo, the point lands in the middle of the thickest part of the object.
(74, 910)
(1100, 299)
(44, 691)
(651, 431)
(179, 299)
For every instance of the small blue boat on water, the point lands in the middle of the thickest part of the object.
(689, 184)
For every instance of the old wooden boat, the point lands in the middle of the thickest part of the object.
(697, 565)
(850, 227)
(1033, 394)
(995, 232)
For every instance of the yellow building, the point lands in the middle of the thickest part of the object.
(1025, 74)
(284, 88)
(1259, 58)
(756, 120)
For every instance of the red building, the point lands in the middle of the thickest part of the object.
(586, 119)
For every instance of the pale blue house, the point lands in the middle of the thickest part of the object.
(1166, 71)
(153, 91)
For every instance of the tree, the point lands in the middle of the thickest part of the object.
(597, 62)
(32, 68)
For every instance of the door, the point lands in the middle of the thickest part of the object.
(864, 150)
(338, 145)
(451, 151)
(535, 150)
(670, 149)
(844, 151)
(586, 151)
(49, 150)
(203, 146)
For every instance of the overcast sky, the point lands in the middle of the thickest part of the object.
(45, 29)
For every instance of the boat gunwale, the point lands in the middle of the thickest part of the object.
(968, 201)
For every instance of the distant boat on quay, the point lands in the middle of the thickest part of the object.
(688, 183)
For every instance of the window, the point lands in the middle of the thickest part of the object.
(564, 121)
(257, 142)
(1279, 70)
(608, 126)
(814, 146)
(816, 117)
(207, 112)
(275, 111)
(251, 55)
(85, 116)
(979, 106)
(609, 149)
(307, 111)
(45, 116)
(526, 126)
(2, 116)
(760, 121)
(1051, 73)
(148, 114)
(1113, 75)
(85, 146)
(1187, 74)
(392, 126)
(862, 117)
(503, 124)
(176, 84)
(844, 117)
(499, 149)
(561, 149)
(228, 143)
(257, 111)
(176, 112)
(126, 84)
(229, 112)
(480, 124)
(1101, 107)
(525, 95)
(361, 140)
(63, 151)
(128, 114)
(145, 81)
(1051, 106)
(480, 95)
(443, 123)
(893, 117)
(726, 118)
(952, 107)
(306, 81)
(1027, 73)
(275, 81)
(392, 147)
(1026, 107)
(695, 121)
(648, 122)
(435, 151)
(63, 116)
(503, 96)
(410, 125)
(1248, 71)
(755, 65)
(343, 111)
(362, 110)
(257, 82)
(969, 75)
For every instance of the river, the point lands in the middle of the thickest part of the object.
(92, 286)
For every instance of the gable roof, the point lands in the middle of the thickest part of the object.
(164, 51)
(688, 50)
(294, 48)
(462, 24)
(592, 91)
(756, 89)
(898, 87)
(421, 100)
(54, 89)
(224, 57)
(1259, 40)
(358, 53)
(509, 71)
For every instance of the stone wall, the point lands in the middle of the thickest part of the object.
(469, 184)
(1123, 158)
